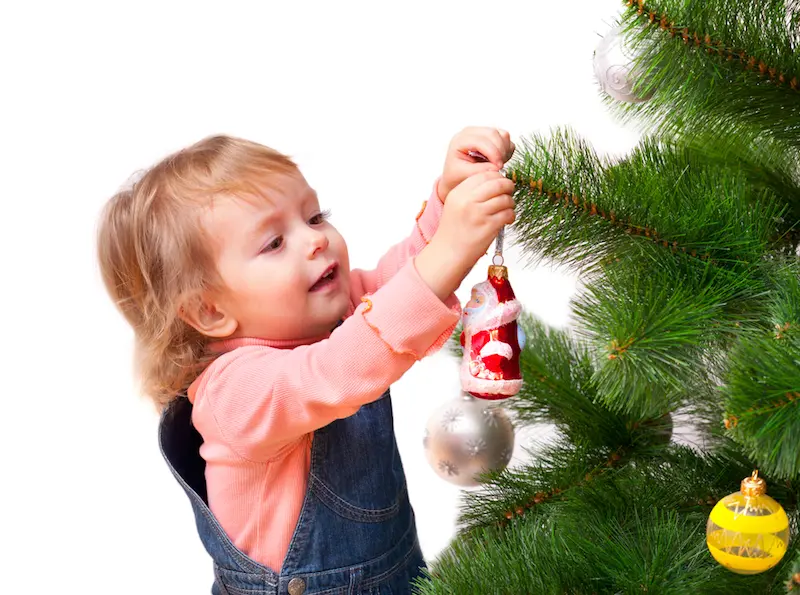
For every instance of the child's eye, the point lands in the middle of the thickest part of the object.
(273, 245)
(320, 217)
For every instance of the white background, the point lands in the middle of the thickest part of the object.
(365, 96)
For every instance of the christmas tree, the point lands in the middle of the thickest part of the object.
(688, 248)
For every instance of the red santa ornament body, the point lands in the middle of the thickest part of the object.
(492, 339)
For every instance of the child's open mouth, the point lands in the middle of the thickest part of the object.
(327, 280)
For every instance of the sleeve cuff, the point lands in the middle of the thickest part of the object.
(408, 316)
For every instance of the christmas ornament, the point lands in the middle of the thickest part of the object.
(747, 531)
(466, 437)
(492, 339)
(614, 68)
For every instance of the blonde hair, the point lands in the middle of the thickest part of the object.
(155, 258)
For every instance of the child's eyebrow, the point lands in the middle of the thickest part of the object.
(262, 223)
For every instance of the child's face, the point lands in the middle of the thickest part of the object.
(271, 255)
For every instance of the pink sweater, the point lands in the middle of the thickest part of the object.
(258, 404)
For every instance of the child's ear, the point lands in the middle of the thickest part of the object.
(208, 318)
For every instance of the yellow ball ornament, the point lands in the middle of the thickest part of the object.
(747, 531)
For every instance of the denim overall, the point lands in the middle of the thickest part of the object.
(356, 533)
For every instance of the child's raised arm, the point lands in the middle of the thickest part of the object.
(494, 144)
(261, 398)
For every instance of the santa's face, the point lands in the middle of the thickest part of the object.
(477, 303)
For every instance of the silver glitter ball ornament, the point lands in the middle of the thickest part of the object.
(614, 68)
(466, 437)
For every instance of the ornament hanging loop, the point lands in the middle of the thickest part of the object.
(753, 486)
(497, 259)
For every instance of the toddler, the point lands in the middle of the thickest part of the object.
(271, 360)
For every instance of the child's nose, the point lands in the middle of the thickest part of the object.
(318, 242)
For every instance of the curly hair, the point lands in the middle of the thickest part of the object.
(155, 258)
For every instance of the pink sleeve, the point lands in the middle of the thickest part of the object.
(363, 282)
(262, 398)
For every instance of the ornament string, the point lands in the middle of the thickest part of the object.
(497, 259)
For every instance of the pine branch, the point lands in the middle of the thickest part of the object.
(636, 528)
(651, 328)
(558, 389)
(741, 102)
(534, 488)
(527, 558)
(558, 182)
(763, 403)
(579, 210)
(766, 165)
(671, 244)
(678, 478)
(745, 75)
(762, 392)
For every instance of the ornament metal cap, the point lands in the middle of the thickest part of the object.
(753, 486)
(499, 271)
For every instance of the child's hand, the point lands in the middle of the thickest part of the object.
(473, 215)
(478, 208)
(492, 143)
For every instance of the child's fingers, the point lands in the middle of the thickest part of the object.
(505, 217)
(504, 145)
(498, 204)
(503, 212)
(500, 219)
(475, 182)
(499, 147)
(469, 167)
(495, 186)
(487, 146)
(493, 143)
(481, 167)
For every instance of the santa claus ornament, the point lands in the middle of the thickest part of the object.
(492, 339)
(473, 434)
